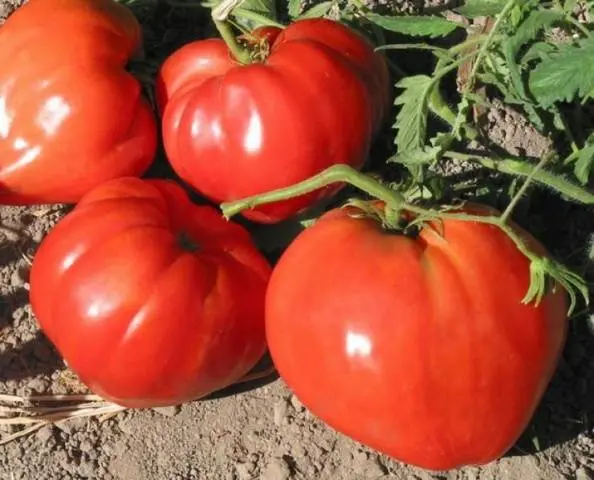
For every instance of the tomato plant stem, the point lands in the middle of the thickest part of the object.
(540, 267)
(220, 14)
(523, 169)
(439, 107)
(332, 175)
(517, 197)
(239, 53)
(487, 43)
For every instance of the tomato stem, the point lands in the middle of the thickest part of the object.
(522, 169)
(540, 267)
(332, 175)
(240, 53)
(440, 107)
(220, 15)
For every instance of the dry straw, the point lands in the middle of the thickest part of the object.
(29, 414)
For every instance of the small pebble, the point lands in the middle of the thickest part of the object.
(168, 411)
(296, 403)
(38, 385)
(280, 412)
(277, 469)
(583, 474)
(244, 470)
(85, 446)
(45, 433)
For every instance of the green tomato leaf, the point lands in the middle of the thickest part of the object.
(537, 51)
(565, 74)
(415, 26)
(411, 121)
(294, 8)
(419, 156)
(317, 11)
(584, 164)
(481, 8)
(536, 21)
(569, 5)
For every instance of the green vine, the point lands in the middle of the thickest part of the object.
(541, 268)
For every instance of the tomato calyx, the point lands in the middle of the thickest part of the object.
(248, 47)
(391, 219)
(258, 48)
(187, 243)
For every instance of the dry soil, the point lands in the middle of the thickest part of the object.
(264, 433)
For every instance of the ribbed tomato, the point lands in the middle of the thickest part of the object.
(71, 116)
(150, 299)
(418, 347)
(313, 96)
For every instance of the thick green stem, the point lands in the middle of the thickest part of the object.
(439, 107)
(437, 103)
(219, 15)
(239, 53)
(518, 196)
(334, 174)
(523, 169)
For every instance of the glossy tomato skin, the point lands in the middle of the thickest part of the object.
(419, 348)
(150, 299)
(233, 130)
(71, 117)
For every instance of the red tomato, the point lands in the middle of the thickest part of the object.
(234, 130)
(417, 347)
(150, 299)
(71, 117)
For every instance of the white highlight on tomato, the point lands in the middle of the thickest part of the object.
(4, 118)
(53, 113)
(252, 141)
(358, 345)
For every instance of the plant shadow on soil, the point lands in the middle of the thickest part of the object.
(28, 358)
(567, 408)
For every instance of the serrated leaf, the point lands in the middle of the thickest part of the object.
(584, 164)
(419, 156)
(411, 121)
(536, 21)
(565, 74)
(534, 116)
(317, 11)
(460, 123)
(537, 51)
(569, 5)
(478, 100)
(294, 8)
(442, 140)
(481, 8)
(416, 26)
(516, 15)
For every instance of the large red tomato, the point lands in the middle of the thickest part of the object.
(232, 130)
(71, 116)
(150, 299)
(418, 347)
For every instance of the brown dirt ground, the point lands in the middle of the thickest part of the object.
(264, 433)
